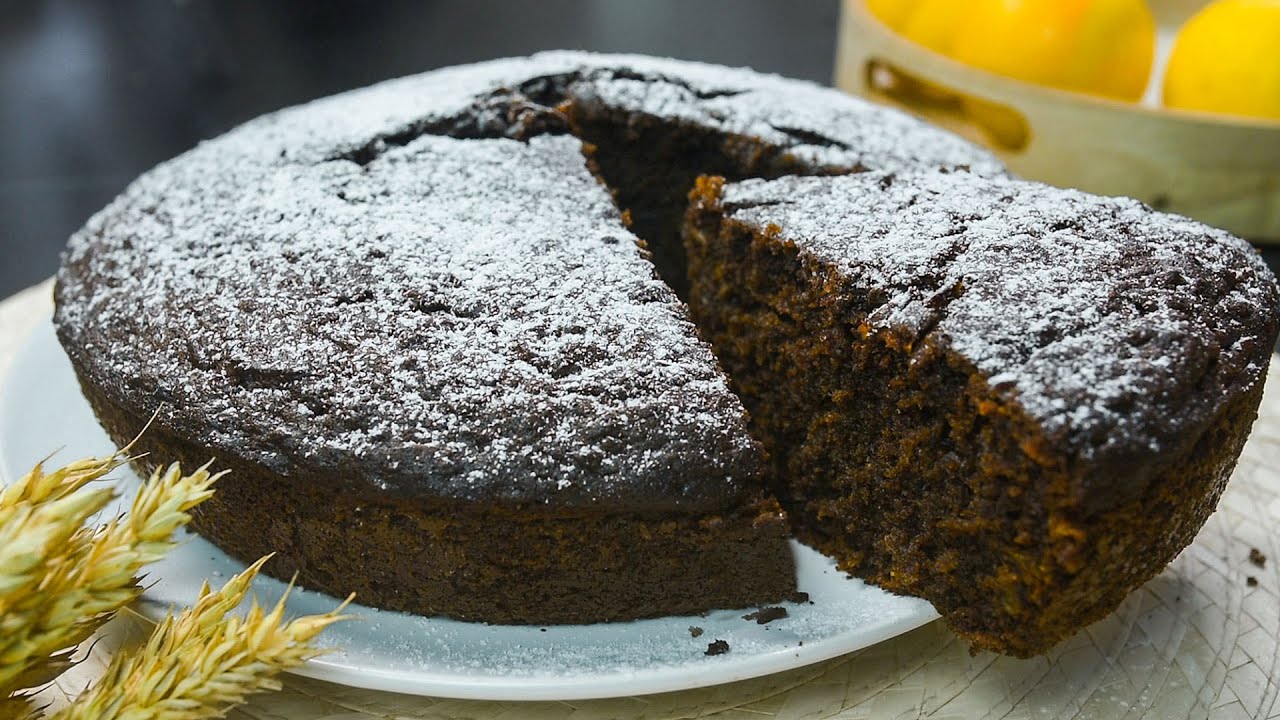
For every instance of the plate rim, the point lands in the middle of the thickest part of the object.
(616, 684)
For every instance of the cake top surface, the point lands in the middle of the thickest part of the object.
(821, 127)
(391, 315)
(339, 291)
(1118, 328)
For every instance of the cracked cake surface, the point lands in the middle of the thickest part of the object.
(1078, 308)
(1016, 401)
(437, 328)
(512, 344)
(467, 317)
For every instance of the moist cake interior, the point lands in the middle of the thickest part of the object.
(895, 456)
(890, 454)
(650, 168)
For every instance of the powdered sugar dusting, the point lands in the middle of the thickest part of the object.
(821, 127)
(455, 318)
(467, 311)
(1116, 327)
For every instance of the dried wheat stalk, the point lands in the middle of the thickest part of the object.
(204, 661)
(60, 580)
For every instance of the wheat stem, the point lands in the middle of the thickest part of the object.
(202, 662)
(59, 580)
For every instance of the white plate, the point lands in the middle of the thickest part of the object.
(42, 411)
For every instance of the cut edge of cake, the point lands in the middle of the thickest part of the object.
(928, 475)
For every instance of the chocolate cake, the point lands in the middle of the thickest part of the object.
(447, 380)
(1016, 401)
(435, 329)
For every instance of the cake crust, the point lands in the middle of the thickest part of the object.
(273, 291)
(419, 295)
(435, 327)
(1016, 402)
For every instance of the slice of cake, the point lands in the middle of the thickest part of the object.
(446, 380)
(1015, 401)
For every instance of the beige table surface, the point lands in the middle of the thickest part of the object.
(1195, 642)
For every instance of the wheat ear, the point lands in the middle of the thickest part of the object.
(60, 580)
(204, 661)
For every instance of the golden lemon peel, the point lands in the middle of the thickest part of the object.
(1226, 59)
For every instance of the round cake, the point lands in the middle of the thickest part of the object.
(438, 330)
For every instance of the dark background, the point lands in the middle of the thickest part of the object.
(94, 92)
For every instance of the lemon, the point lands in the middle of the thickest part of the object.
(1227, 59)
(933, 23)
(930, 23)
(1101, 47)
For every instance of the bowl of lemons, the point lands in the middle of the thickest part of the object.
(1174, 102)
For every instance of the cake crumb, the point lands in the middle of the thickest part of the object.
(799, 597)
(695, 631)
(1251, 581)
(766, 615)
(1257, 558)
(718, 647)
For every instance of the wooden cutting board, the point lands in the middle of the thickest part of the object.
(1195, 642)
